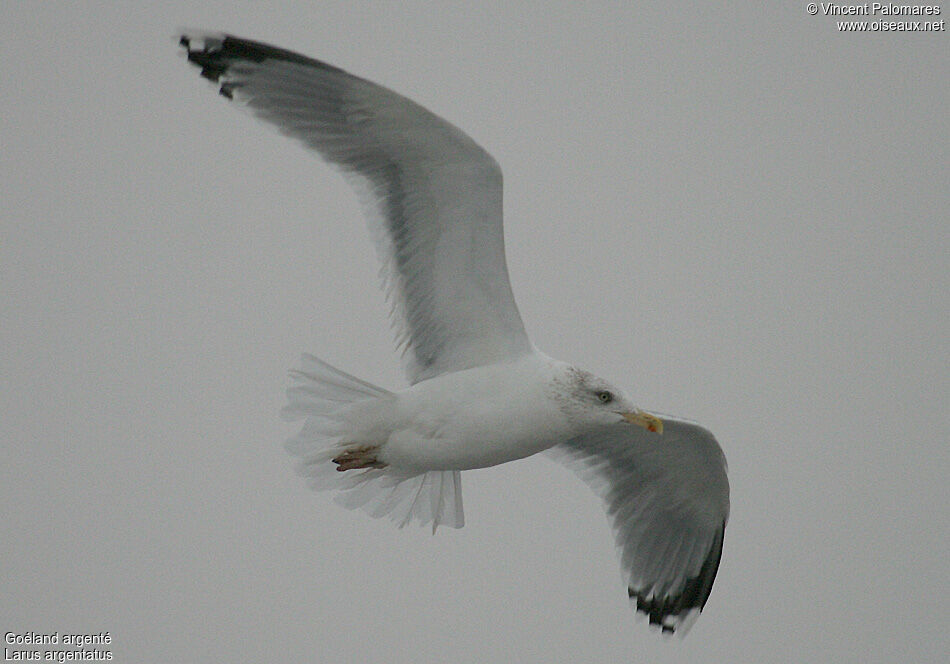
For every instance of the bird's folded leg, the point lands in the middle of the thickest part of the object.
(358, 457)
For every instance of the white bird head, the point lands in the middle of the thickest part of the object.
(587, 400)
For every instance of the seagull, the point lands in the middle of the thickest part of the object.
(480, 393)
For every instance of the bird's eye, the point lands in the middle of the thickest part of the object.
(605, 397)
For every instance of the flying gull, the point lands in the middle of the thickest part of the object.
(480, 393)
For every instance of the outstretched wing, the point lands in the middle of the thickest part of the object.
(433, 195)
(667, 500)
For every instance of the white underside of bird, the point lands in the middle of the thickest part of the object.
(480, 393)
(468, 419)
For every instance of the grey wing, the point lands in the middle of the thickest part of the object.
(434, 197)
(667, 500)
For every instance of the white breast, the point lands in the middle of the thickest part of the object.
(476, 418)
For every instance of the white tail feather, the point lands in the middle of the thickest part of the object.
(322, 396)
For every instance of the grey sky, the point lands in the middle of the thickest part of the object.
(740, 215)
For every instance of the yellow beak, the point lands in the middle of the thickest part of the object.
(645, 420)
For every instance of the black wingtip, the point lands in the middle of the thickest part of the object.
(215, 54)
(665, 612)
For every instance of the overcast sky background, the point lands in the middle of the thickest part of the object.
(740, 215)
